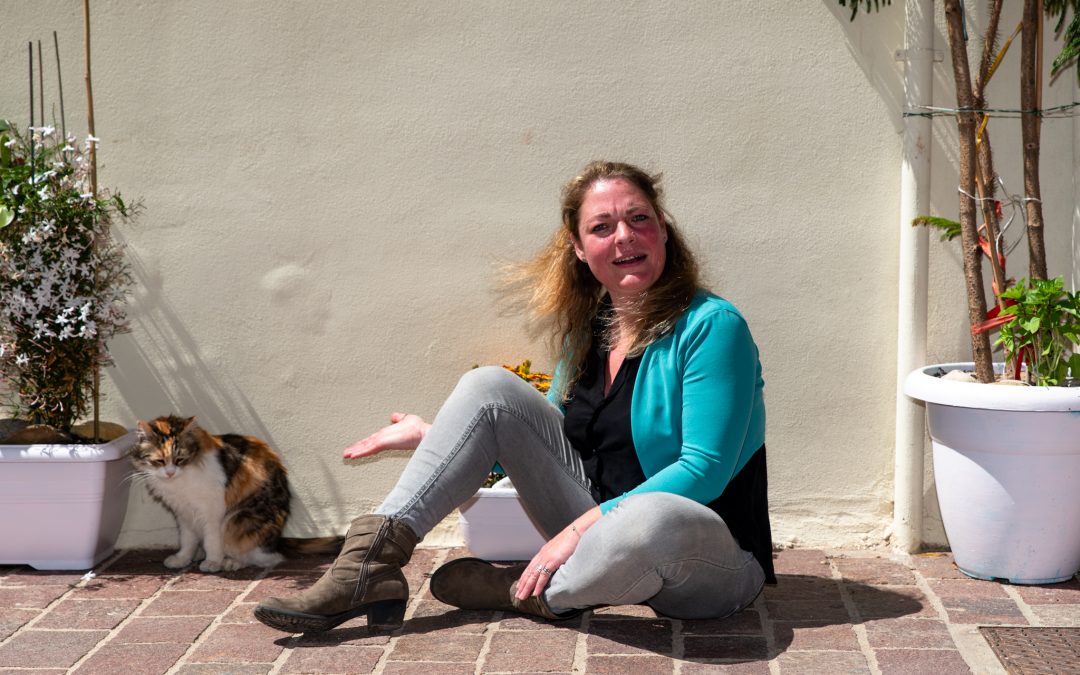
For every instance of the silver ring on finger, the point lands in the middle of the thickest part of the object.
(542, 569)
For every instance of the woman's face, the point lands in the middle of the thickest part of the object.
(621, 237)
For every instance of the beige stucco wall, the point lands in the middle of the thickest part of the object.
(329, 187)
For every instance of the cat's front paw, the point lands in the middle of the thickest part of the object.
(210, 565)
(177, 561)
(231, 564)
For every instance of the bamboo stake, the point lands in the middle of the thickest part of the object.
(41, 84)
(60, 86)
(33, 170)
(93, 189)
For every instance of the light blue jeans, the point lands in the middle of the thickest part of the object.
(657, 548)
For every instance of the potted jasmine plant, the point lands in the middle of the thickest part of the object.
(63, 281)
(1006, 458)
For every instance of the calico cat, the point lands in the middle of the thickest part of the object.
(229, 493)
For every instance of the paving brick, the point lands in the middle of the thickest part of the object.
(747, 647)
(984, 611)
(237, 580)
(803, 562)
(937, 566)
(746, 622)
(143, 561)
(874, 571)
(48, 648)
(87, 613)
(145, 659)
(26, 576)
(281, 584)
(168, 629)
(1057, 615)
(121, 586)
(805, 599)
(890, 602)
(457, 647)
(12, 620)
(629, 637)
(240, 644)
(541, 651)
(306, 563)
(817, 663)
(791, 636)
(921, 662)
(630, 665)
(190, 603)
(513, 621)
(967, 588)
(746, 668)
(431, 615)
(1067, 593)
(243, 612)
(29, 597)
(905, 632)
(343, 635)
(332, 659)
(427, 668)
(625, 612)
(218, 669)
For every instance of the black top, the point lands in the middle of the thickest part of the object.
(599, 428)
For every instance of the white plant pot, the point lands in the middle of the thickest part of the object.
(1007, 471)
(62, 505)
(496, 526)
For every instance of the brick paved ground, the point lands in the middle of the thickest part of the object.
(832, 612)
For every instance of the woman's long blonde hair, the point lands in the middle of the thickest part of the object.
(563, 296)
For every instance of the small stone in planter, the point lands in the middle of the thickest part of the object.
(38, 433)
(9, 426)
(958, 376)
(108, 431)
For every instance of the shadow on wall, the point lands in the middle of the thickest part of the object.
(159, 370)
(873, 42)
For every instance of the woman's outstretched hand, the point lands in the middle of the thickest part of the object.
(404, 433)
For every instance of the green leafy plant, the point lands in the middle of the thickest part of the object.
(978, 179)
(1042, 322)
(63, 280)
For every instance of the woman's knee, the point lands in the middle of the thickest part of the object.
(666, 519)
(488, 383)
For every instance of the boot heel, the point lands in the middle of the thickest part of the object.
(386, 615)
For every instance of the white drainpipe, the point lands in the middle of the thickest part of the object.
(918, 56)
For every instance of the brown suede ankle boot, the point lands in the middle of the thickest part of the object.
(365, 578)
(472, 583)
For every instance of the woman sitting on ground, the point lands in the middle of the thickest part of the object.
(645, 469)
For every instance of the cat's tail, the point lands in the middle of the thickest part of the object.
(293, 547)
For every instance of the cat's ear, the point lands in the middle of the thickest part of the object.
(188, 424)
(145, 430)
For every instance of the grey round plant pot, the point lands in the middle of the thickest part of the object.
(1007, 474)
(63, 505)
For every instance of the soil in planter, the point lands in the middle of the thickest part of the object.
(20, 432)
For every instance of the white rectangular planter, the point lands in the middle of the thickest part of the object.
(62, 505)
(496, 526)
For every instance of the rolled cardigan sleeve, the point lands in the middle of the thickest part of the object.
(720, 375)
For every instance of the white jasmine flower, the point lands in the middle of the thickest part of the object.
(22, 360)
(92, 139)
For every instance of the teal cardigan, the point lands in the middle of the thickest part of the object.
(698, 412)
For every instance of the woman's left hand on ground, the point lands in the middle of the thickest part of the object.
(553, 555)
(550, 558)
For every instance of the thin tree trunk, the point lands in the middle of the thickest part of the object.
(986, 178)
(1030, 125)
(966, 123)
(96, 389)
